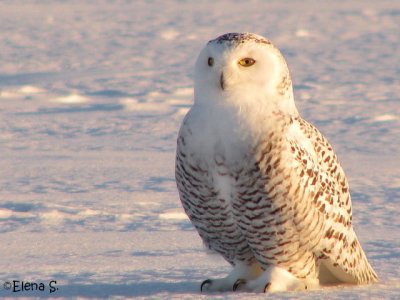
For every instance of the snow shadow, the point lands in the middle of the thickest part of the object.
(26, 78)
(384, 250)
(147, 289)
(75, 109)
(21, 206)
(13, 215)
(159, 184)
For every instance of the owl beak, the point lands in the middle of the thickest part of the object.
(221, 81)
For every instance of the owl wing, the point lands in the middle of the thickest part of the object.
(194, 192)
(326, 189)
(205, 204)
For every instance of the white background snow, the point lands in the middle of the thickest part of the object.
(92, 94)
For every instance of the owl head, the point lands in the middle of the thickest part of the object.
(246, 71)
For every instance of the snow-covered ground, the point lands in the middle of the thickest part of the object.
(92, 94)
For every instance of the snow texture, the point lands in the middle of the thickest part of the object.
(92, 94)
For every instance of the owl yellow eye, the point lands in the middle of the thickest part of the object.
(210, 61)
(247, 62)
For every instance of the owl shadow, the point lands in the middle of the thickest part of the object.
(143, 289)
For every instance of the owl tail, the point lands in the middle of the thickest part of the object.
(347, 263)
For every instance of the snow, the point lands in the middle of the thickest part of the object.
(92, 95)
(71, 99)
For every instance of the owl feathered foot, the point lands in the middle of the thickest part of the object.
(275, 279)
(240, 274)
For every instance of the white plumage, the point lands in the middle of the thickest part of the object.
(261, 185)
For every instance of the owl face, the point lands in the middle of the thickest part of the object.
(240, 68)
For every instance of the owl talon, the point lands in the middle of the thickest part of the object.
(267, 286)
(205, 283)
(238, 283)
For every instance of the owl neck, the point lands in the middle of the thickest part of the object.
(239, 105)
(234, 123)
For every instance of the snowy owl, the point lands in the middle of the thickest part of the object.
(262, 186)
